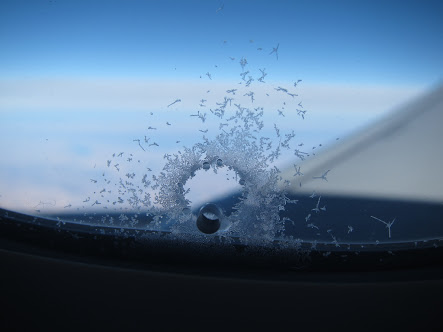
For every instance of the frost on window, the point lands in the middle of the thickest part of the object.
(232, 159)
(235, 176)
(229, 159)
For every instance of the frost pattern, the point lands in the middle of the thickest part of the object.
(158, 200)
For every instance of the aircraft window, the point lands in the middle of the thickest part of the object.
(293, 125)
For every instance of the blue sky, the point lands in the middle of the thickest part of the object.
(394, 42)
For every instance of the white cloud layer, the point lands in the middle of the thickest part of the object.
(49, 159)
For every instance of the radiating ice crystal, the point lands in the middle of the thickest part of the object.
(243, 63)
(239, 151)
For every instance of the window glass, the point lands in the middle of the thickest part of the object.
(305, 122)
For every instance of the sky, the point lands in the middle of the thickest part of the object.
(393, 42)
(78, 79)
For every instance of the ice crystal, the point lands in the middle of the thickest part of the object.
(242, 144)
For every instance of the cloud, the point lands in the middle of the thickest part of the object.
(138, 94)
(86, 120)
(352, 99)
(99, 94)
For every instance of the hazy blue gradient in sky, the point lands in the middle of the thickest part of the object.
(393, 42)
